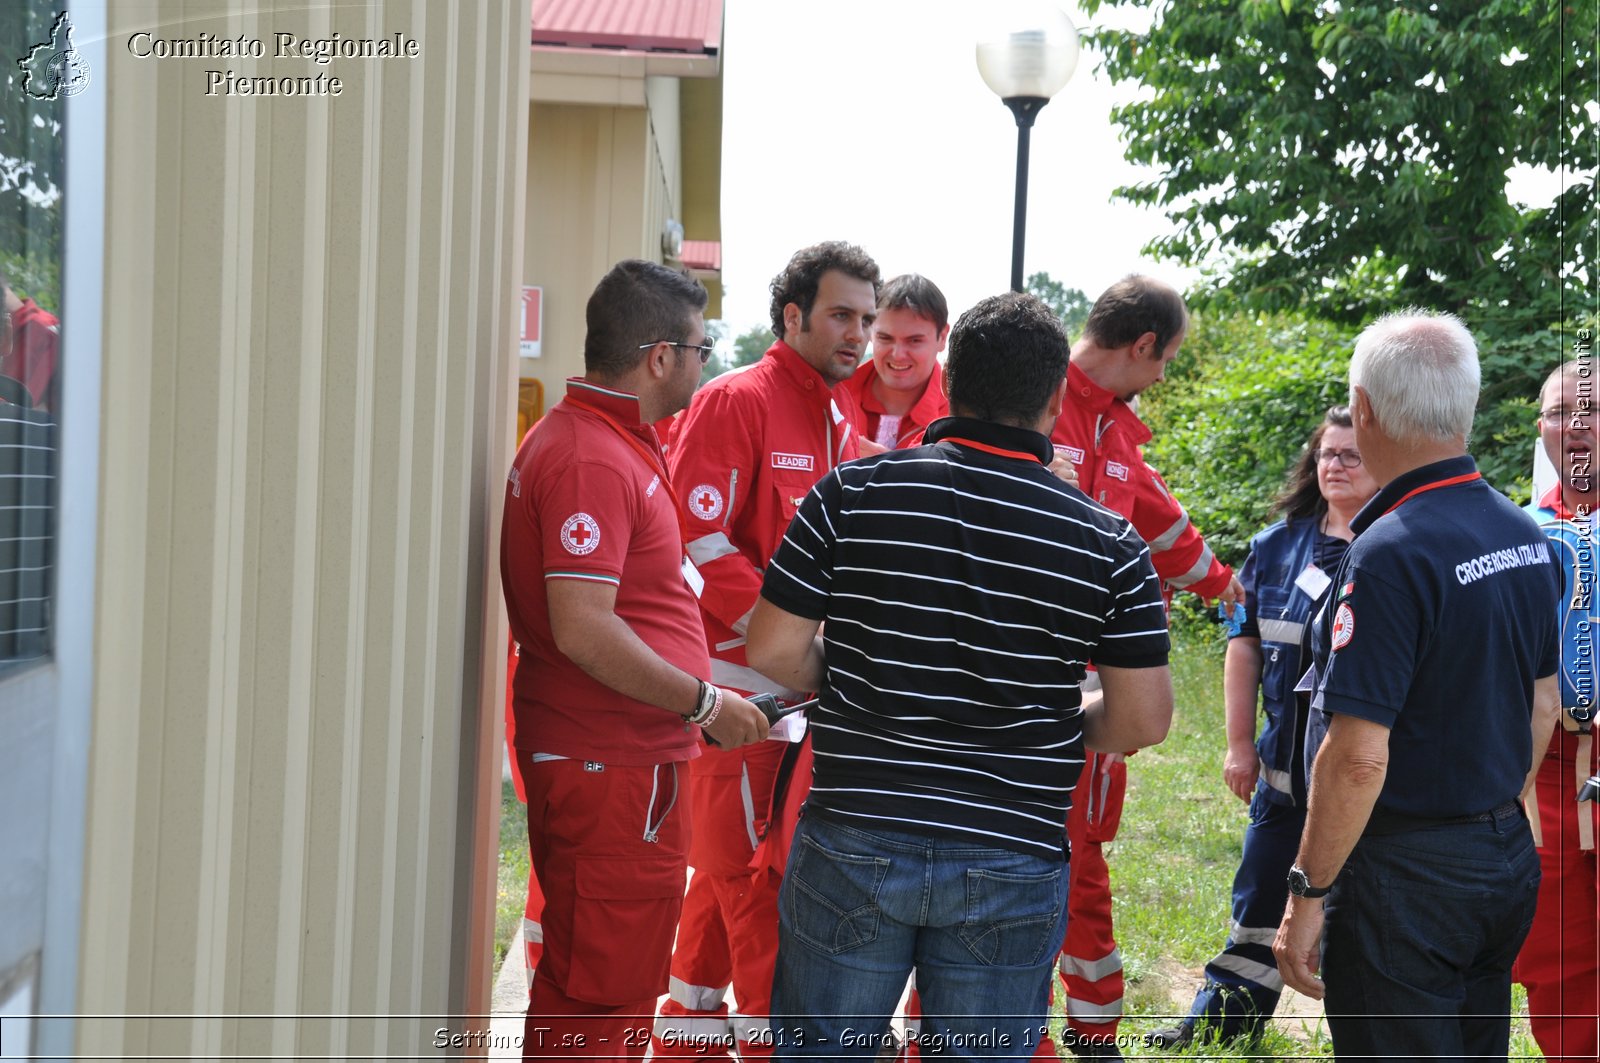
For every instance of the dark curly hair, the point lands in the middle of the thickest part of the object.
(798, 282)
(1301, 497)
(636, 302)
(1007, 355)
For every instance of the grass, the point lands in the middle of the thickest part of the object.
(1171, 868)
(511, 883)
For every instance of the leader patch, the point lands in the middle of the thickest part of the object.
(580, 534)
(1344, 626)
(705, 502)
(780, 460)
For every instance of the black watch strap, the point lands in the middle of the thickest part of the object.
(1300, 885)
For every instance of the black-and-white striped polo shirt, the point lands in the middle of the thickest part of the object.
(965, 588)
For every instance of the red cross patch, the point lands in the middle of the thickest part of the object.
(580, 534)
(705, 502)
(1344, 626)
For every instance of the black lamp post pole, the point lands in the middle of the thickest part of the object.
(1024, 109)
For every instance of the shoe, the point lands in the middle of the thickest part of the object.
(1169, 1038)
(1085, 1048)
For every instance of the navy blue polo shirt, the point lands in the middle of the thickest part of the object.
(1442, 616)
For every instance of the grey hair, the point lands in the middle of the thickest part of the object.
(1420, 371)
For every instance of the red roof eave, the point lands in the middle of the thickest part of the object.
(702, 254)
(687, 26)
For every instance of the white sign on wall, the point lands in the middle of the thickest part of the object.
(532, 319)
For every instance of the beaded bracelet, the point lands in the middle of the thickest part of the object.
(706, 703)
(716, 709)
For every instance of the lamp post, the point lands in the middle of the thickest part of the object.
(1025, 59)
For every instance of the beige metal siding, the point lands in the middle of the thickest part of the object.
(309, 309)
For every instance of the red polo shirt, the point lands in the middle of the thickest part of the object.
(583, 503)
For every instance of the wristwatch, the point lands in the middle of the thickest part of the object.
(1301, 886)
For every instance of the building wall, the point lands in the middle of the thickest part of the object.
(309, 308)
(601, 183)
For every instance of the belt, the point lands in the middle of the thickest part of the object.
(1385, 821)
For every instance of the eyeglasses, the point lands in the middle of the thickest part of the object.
(1350, 459)
(706, 350)
(1555, 417)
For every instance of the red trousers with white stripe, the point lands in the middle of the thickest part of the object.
(729, 929)
(610, 846)
(1091, 964)
(1560, 961)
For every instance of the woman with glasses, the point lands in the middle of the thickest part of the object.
(1289, 570)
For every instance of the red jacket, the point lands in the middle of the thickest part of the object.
(1103, 437)
(743, 456)
(35, 335)
(928, 409)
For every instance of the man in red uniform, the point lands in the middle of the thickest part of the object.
(28, 344)
(901, 390)
(1560, 960)
(1133, 332)
(609, 682)
(744, 456)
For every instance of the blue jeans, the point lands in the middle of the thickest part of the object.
(859, 910)
(1422, 928)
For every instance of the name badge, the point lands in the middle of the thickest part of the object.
(1313, 581)
(692, 577)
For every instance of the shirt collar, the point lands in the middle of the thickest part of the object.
(623, 405)
(1553, 501)
(922, 411)
(1003, 436)
(1096, 399)
(1402, 485)
(801, 371)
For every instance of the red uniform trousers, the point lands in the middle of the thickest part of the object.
(612, 898)
(1091, 964)
(729, 929)
(1560, 961)
(533, 906)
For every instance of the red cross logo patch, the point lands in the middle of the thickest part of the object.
(705, 502)
(1344, 626)
(580, 534)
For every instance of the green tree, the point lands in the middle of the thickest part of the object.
(1350, 157)
(748, 347)
(31, 161)
(1068, 304)
(1236, 409)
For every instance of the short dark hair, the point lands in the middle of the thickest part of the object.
(918, 294)
(1007, 355)
(799, 280)
(1133, 306)
(1301, 496)
(637, 302)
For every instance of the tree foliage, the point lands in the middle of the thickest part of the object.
(1350, 157)
(31, 162)
(1068, 304)
(1237, 406)
(1344, 158)
(748, 347)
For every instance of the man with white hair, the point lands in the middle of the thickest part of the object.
(1435, 663)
